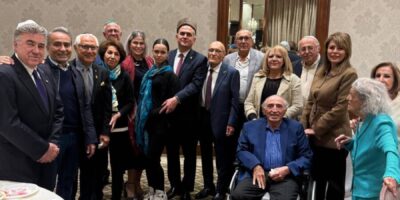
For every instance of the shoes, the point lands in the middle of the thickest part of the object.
(160, 195)
(149, 195)
(171, 193)
(186, 196)
(219, 196)
(204, 193)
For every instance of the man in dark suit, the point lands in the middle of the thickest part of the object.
(273, 151)
(218, 120)
(31, 112)
(78, 133)
(98, 90)
(190, 67)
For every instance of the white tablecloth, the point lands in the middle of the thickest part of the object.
(42, 194)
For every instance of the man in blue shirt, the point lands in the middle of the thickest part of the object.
(273, 150)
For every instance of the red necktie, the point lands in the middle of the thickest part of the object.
(179, 66)
(207, 101)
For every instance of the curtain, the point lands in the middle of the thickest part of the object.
(290, 20)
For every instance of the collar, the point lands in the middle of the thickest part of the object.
(28, 69)
(60, 66)
(216, 68)
(81, 66)
(184, 53)
(268, 127)
(247, 57)
(314, 65)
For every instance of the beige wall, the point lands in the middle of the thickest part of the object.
(157, 18)
(374, 28)
(373, 25)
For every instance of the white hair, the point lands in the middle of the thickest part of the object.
(78, 38)
(29, 26)
(374, 96)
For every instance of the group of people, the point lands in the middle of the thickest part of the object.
(276, 117)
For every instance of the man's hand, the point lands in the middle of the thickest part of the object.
(90, 149)
(104, 141)
(50, 154)
(229, 130)
(278, 174)
(6, 60)
(391, 185)
(169, 105)
(259, 177)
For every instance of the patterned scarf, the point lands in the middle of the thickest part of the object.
(145, 106)
(113, 74)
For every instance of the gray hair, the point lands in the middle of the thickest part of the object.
(285, 103)
(133, 35)
(78, 38)
(59, 29)
(309, 37)
(29, 26)
(373, 94)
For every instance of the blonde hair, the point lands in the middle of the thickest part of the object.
(287, 67)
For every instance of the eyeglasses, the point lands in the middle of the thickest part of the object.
(88, 47)
(243, 38)
(214, 50)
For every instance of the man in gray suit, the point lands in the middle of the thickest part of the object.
(247, 61)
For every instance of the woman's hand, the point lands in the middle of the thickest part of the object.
(353, 123)
(341, 140)
(391, 185)
(309, 132)
(114, 119)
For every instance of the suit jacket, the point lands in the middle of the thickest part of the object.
(85, 111)
(289, 89)
(191, 78)
(224, 108)
(100, 100)
(375, 155)
(296, 152)
(256, 59)
(26, 126)
(326, 108)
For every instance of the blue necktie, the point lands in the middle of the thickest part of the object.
(41, 89)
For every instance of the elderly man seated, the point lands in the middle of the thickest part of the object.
(274, 151)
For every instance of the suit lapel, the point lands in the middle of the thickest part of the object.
(262, 141)
(283, 86)
(171, 57)
(188, 59)
(283, 129)
(49, 88)
(221, 77)
(364, 126)
(95, 80)
(26, 79)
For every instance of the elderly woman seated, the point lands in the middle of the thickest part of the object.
(374, 145)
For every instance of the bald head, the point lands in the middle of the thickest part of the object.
(309, 49)
(244, 42)
(216, 53)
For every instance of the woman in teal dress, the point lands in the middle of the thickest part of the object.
(373, 147)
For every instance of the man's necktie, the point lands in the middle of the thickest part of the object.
(86, 81)
(179, 66)
(207, 100)
(41, 89)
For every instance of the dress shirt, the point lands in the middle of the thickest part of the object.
(273, 152)
(28, 69)
(177, 59)
(80, 68)
(307, 77)
(214, 80)
(243, 68)
(60, 66)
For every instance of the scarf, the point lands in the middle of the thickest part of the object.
(113, 74)
(145, 106)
